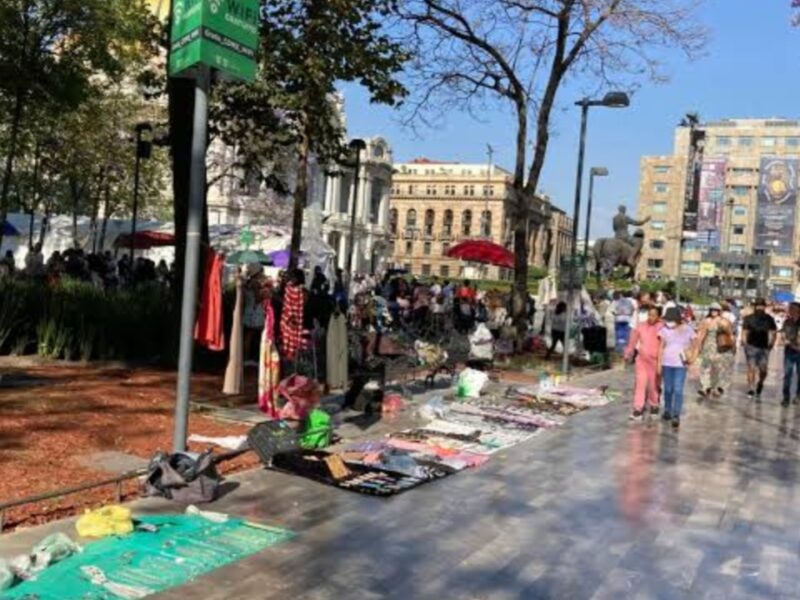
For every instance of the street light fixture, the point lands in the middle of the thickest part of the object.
(357, 146)
(610, 100)
(593, 172)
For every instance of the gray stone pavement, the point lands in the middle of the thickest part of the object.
(600, 508)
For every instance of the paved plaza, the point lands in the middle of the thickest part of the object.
(599, 508)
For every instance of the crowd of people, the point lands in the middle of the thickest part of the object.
(103, 270)
(665, 341)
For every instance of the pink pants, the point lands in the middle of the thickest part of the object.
(646, 387)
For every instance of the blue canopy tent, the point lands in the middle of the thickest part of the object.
(8, 229)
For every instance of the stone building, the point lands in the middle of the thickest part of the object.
(435, 205)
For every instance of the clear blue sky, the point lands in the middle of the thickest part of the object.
(750, 69)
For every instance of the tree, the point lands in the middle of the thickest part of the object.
(518, 54)
(308, 46)
(52, 52)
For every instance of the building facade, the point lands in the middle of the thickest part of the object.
(435, 205)
(743, 247)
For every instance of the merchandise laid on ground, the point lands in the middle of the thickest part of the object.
(457, 434)
(156, 554)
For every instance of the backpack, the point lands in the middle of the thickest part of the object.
(183, 477)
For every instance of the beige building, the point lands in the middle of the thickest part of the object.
(434, 205)
(731, 254)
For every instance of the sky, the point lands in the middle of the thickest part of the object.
(749, 69)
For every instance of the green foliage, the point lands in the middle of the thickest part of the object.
(74, 320)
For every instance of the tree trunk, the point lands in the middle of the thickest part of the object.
(37, 158)
(45, 222)
(16, 122)
(106, 215)
(300, 197)
(76, 194)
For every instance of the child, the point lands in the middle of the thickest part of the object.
(644, 343)
(673, 360)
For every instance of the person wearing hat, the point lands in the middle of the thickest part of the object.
(759, 332)
(716, 348)
(674, 357)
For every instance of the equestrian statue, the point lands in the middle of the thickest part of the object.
(623, 250)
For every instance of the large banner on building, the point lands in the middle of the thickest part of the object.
(711, 202)
(777, 203)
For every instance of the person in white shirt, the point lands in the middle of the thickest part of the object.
(623, 310)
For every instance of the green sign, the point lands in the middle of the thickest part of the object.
(572, 273)
(222, 34)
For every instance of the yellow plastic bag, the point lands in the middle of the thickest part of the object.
(102, 522)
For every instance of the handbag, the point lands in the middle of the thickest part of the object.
(725, 341)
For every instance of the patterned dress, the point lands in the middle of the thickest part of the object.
(292, 321)
(269, 367)
(715, 366)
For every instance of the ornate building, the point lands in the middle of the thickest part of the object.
(436, 204)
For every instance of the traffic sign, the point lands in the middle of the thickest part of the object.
(222, 34)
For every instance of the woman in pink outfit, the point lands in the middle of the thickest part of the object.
(644, 344)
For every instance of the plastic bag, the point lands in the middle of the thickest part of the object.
(302, 395)
(109, 520)
(393, 403)
(434, 408)
(471, 383)
(317, 432)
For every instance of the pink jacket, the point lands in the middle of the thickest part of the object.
(645, 339)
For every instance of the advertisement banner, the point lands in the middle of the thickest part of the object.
(777, 202)
(222, 34)
(711, 201)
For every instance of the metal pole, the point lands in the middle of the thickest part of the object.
(573, 253)
(197, 184)
(588, 219)
(351, 245)
(136, 191)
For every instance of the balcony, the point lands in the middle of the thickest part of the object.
(446, 236)
(408, 234)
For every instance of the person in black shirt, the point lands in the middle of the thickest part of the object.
(791, 353)
(758, 337)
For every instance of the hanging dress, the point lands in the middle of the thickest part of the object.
(292, 321)
(269, 367)
(336, 352)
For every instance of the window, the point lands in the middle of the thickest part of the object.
(785, 272)
(407, 267)
(690, 266)
(662, 169)
(376, 203)
(657, 244)
(657, 225)
(426, 270)
(723, 142)
(488, 190)
(429, 218)
(655, 263)
(740, 211)
(409, 247)
(430, 190)
(430, 172)
(345, 191)
(445, 248)
(661, 188)
(469, 190)
(466, 222)
(659, 208)
(426, 248)
(746, 141)
(393, 221)
(768, 142)
(395, 190)
(738, 230)
(411, 219)
(444, 271)
(736, 248)
(741, 190)
(449, 190)
(486, 223)
(412, 189)
(447, 226)
(792, 142)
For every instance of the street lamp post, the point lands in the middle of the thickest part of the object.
(143, 151)
(593, 172)
(356, 146)
(610, 100)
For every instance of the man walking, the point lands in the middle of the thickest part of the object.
(791, 353)
(758, 338)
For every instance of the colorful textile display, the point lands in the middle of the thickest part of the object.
(292, 321)
(208, 331)
(301, 394)
(269, 367)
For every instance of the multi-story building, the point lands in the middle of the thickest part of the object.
(435, 205)
(745, 186)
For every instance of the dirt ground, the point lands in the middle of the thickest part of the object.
(51, 415)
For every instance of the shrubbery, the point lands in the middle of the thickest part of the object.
(75, 321)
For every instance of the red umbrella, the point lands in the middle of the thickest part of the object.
(144, 240)
(483, 251)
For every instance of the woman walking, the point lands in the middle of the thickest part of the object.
(558, 326)
(644, 344)
(673, 361)
(716, 345)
